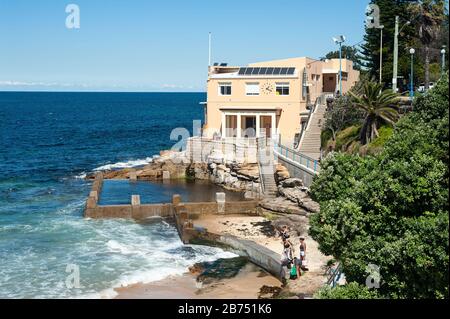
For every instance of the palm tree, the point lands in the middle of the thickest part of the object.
(430, 16)
(379, 106)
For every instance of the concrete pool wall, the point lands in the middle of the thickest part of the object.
(137, 210)
(184, 214)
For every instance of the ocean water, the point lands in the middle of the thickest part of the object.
(48, 142)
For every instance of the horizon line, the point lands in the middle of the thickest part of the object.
(87, 91)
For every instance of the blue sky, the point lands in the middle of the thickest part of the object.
(138, 45)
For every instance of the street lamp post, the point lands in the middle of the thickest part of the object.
(340, 40)
(411, 88)
(396, 33)
(381, 53)
(443, 61)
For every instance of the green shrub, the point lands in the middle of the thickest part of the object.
(377, 145)
(346, 136)
(349, 291)
(385, 132)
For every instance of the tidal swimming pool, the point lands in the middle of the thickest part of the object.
(118, 192)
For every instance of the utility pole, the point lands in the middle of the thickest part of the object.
(394, 74)
(411, 77)
(397, 32)
(381, 53)
(340, 68)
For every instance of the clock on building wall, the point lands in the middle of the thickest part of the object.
(267, 88)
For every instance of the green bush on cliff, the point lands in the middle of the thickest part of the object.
(391, 209)
(351, 290)
(347, 136)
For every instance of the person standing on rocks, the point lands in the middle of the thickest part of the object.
(288, 253)
(303, 253)
(284, 232)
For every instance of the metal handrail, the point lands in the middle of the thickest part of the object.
(334, 275)
(298, 157)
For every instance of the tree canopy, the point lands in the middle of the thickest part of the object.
(391, 210)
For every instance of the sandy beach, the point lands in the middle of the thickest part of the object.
(245, 285)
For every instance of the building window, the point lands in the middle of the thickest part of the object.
(282, 89)
(344, 76)
(318, 77)
(252, 88)
(225, 88)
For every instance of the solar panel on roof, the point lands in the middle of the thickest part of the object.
(255, 71)
(242, 71)
(265, 71)
(276, 71)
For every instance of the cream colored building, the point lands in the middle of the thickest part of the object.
(270, 97)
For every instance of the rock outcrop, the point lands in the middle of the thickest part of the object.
(299, 195)
(282, 205)
(244, 178)
(281, 173)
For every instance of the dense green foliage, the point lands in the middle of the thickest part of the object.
(391, 209)
(377, 145)
(350, 291)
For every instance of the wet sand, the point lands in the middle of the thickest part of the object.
(252, 227)
(245, 285)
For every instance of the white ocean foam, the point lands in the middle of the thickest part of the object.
(116, 247)
(148, 276)
(109, 293)
(82, 175)
(128, 164)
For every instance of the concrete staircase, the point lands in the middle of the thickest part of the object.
(310, 142)
(267, 168)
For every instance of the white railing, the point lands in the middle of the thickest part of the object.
(297, 158)
(227, 150)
